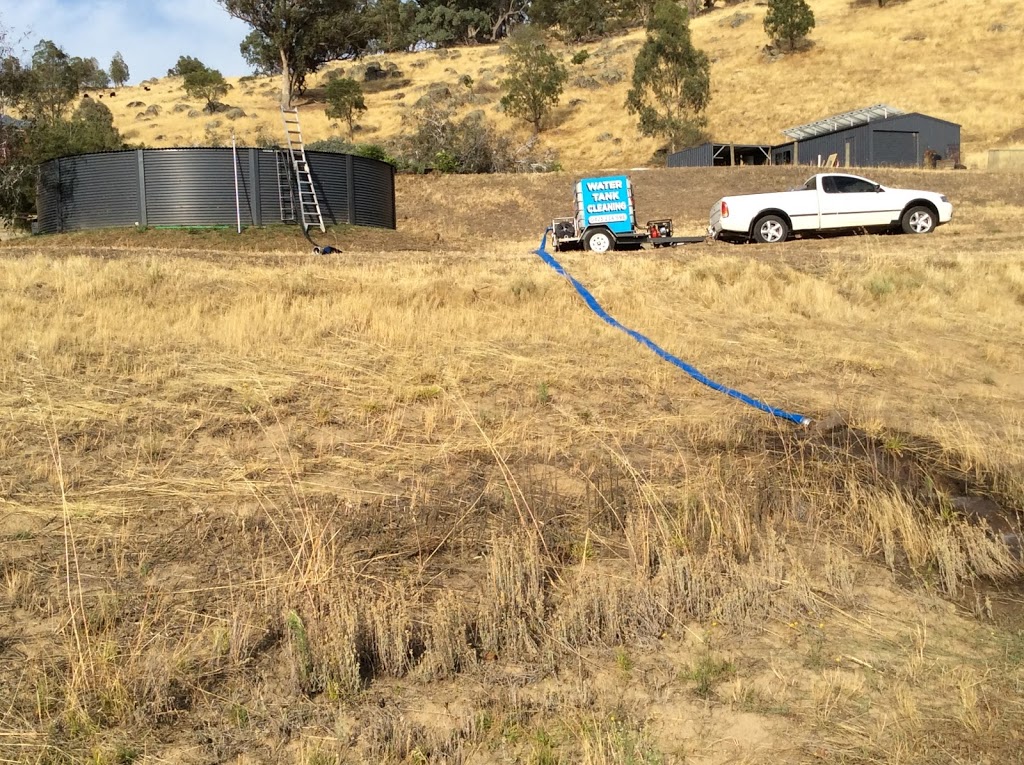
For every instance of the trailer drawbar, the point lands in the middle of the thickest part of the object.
(604, 219)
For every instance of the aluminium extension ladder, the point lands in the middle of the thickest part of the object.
(285, 188)
(309, 206)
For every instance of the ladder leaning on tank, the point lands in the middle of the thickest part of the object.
(285, 188)
(308, 213)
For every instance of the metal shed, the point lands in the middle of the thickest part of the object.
(722, 155)
(875, 136)
(196, 187)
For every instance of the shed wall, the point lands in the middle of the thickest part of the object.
(859, 138)
(896, 141)
(933, 133)
(895, 148)
(697, 156)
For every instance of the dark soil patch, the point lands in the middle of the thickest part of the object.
(917, 468)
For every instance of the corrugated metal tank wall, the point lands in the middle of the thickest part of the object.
(48, 197)
(113, 202)
(269, 193)
(331, 181)
(374, 205)
(196, 187)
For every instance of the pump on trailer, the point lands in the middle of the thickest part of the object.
(604, 219)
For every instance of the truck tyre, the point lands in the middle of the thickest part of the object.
(770, 229)
(598, 241)
(918, 220)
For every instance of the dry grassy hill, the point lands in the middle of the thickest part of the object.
(414, 504)
(955, 60)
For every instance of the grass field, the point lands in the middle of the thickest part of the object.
(414, 503)
(946, 59)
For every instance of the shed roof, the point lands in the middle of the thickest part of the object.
(843, 121)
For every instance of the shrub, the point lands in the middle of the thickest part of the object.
(471, 145)
(788, 21)
(374, 151)
(535, 80)
(344, 101)
(206, 84)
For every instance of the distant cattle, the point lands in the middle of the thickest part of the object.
(145, 87)
(112, 94)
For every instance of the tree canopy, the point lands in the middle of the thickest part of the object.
(44, 92)
(119, 70)
(207, 84)
(185, 65)
(535, 77)
(788, 21)
(344, 100)
(304, 34)
(52, 81)
(671, 79)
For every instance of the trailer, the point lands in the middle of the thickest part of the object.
(604, 219)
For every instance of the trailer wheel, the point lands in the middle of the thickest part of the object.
(770, 229)
(598, 241)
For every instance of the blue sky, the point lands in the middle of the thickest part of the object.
(150, 34)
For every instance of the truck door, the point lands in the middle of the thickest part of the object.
(848, 201)
(803, 204)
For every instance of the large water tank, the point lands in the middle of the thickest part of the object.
(196, 187)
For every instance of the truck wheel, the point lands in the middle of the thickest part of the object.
(770, 229)
(918, 220)
(598, 241)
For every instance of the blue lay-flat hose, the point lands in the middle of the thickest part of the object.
(693, 372)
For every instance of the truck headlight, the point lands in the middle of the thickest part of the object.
(943, 198)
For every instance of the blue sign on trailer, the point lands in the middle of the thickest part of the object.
(606, 202)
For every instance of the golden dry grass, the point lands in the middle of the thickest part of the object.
(955, 61)
(413, 503)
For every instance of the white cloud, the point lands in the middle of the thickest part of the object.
(150, 35)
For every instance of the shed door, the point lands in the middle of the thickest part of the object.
(895, 149)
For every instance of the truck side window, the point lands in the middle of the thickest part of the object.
(849, 185)
(811, 185)
(828, 184)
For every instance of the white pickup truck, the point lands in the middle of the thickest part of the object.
(828, 202)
